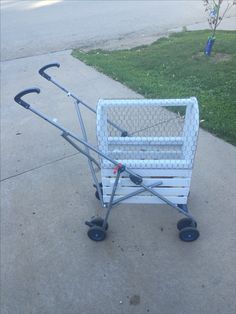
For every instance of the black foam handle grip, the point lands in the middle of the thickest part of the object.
(44, 74)
(21, 102)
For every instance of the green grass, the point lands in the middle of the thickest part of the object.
(176, 67)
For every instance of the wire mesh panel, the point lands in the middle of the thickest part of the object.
(160, 133)
(159, 145)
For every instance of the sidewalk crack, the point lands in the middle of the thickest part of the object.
(38, 167)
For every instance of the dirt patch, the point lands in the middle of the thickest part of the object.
(221, 57)
(215, 57)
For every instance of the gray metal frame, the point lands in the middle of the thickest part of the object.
(79, 102)
(72, 138)
(67, 135)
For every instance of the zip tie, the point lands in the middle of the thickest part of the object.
(119, 167)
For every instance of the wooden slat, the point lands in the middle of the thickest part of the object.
(148, 164)
(152, 172)
(174, 182)
(163, 191)
(138, 140)
(153, 155)
(148, 200)
(103, 104)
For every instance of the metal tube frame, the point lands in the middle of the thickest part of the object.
(92, 170)
(123, 198)
(182, 209)
(65, 136)
(70, 94)
(110, 205)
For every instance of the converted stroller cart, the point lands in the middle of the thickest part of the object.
(146, 149)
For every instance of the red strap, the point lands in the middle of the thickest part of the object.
(119, 166)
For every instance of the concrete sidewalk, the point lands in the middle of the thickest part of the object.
(48, 263)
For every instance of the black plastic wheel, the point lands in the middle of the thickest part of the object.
(96, 233)
(189, 234)
(98, 221)
(96, 193)
(186, 222)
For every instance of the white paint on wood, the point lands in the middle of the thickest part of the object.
(186, 173)
(172, 182)
(134, 140)
(148, 200)
(164, 191)
(152, 163)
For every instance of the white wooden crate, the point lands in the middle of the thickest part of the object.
(175, 187)
(164, 153)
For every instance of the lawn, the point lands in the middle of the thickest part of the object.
(176, 67)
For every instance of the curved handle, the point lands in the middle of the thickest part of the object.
(42, 70)
(21, 102)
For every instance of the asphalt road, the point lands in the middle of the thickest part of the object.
(36, 27)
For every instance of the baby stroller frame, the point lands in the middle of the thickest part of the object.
(98, 226)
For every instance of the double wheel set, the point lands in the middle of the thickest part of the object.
(188, 231)
(187, 227)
